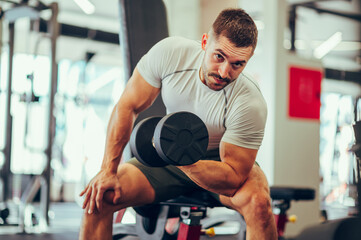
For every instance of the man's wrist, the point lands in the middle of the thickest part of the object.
(110, 167)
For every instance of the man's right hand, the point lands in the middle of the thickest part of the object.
(93, 193)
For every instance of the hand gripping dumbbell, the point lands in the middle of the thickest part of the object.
(179, 139)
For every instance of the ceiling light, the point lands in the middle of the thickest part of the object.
(327, 45)
(86, 6)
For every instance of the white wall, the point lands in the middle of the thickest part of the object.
(183, 18)
(296, 150)
(210, 10)
(192, 18)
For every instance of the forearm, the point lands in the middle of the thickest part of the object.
(137, 96)
(214, 176)
(118, 134)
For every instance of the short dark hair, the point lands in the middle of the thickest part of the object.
(237, 26)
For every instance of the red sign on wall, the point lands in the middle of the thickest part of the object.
(304, 92)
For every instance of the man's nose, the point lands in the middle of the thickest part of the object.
(223, 70)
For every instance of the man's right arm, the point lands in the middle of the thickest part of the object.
(137, 96)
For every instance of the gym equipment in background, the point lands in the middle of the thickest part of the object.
(39, 182)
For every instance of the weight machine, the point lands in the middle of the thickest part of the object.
(39, 182)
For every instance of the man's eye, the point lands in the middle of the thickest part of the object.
(238, 65)
(219, 56)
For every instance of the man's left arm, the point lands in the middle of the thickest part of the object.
(224, 177)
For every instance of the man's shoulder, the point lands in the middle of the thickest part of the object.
(248, 78)
(247, 87)
(245, 83)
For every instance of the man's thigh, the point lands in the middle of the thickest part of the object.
(168, 182)
(255, 185)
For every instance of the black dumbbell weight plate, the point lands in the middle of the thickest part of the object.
(181, 138)
(141, 143)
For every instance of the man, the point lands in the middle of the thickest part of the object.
(204, 78)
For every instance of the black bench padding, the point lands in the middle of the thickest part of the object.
(204, 199)
(292, 193)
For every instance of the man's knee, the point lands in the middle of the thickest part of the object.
(135, 188)
(261, 205)
(109, 197)
(257, 207)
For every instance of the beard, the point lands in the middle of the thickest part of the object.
(214, 81)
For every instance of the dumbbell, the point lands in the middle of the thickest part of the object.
(178, 139)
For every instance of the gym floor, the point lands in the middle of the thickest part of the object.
(65, 223)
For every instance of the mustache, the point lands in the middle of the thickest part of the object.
(227, 80)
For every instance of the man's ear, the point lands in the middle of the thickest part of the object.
(204, 40)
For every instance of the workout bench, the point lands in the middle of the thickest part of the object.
(192, 210)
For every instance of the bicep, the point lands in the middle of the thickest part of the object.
(138, 94)
(240, 159)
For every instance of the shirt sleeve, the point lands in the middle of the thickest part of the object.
(245, 124)
(152, 66)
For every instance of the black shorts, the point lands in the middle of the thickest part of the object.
(169, 182)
